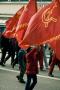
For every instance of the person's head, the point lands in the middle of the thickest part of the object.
(28, 49)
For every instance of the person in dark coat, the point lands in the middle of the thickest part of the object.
(4, 48)
(12, 50)
(22, 65)
(31, 68)
(7, 46)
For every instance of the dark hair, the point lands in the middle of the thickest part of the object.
(28, 49)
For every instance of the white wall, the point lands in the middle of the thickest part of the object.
(10, 8)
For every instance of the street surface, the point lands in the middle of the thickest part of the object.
(8, 79)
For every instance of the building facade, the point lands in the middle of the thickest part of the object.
(20, 0)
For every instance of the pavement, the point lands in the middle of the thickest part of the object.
(8, 79)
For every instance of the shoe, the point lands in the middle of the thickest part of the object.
(12, 65)
(22, 81)
(2, 64)
(51, 75)
(17, 77)
(41, 68)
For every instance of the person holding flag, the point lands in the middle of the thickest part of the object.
(32, 67)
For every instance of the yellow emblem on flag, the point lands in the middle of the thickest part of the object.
(22, 26)
(46, 16)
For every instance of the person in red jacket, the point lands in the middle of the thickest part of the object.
(54, 61)
(31, 68)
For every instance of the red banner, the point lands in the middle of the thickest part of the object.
(29, 10)
(44, 25)
(11, 24)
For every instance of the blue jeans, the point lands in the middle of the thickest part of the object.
(29, 85)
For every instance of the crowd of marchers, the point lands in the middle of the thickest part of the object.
(30, 60)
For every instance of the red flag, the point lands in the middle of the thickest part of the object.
(55, 45)
(12, 23)
(57, 49)
(29, 10)
(44, 25)
(8, 22)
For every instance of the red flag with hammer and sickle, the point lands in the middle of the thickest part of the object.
(44, 25)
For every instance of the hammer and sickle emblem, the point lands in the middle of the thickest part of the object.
(46, 16)
(13, 29)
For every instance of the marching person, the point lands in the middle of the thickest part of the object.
(45, 47)
(51, 55)
(55, 61)
(40, 57)
(11, 52)
(32, 68)
(4, 48)
(22, 65)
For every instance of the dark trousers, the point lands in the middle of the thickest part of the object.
(15, 62)
(29, 85)
(41, 63)
(3, 55)
(53, 63)
(22, 65)
(50, 59)
(10, 54)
